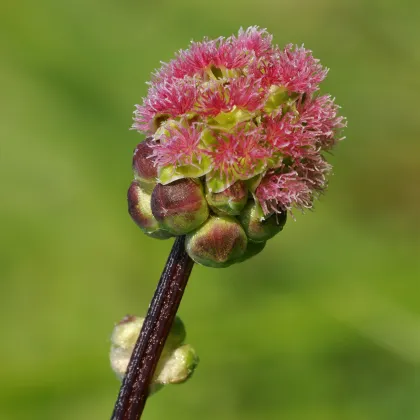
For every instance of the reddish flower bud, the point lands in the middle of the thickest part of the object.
(144, 167)
(180, 206)
(218, 243)
(260, 229)
(230, 201)
(140, 211)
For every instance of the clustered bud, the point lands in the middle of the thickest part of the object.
(180, 206)
(218, 243)
(237, 132)
(176, 364)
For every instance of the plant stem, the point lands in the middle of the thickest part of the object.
(160, 316)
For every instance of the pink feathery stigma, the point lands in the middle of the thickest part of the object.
(313, 170)
(195, 60)
(230, 57)
(298, 70)
(201, 56)
(319, 117)
(287, 137)
(238, 153)
(280, 192)
(173, 97)
(189, 62)
(243, 94)
(180, 146)
(254, 39)
(212, 99)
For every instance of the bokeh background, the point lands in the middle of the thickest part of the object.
(324, 325)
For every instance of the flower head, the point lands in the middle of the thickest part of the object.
(240, 109)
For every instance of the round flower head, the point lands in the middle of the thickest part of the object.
(241, 110)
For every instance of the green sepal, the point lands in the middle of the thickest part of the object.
(170, 173)
(259, 168)
(217, 184)
(252, 183)
(259, 211)
(207, 138)
(197, 169)
(278, 96)
(227, 120)
(167, 174)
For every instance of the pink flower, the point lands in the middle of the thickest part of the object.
(280, 192)
(213, 99)
(179, 146)
(170, 97)
(298, 70)
(201, 56)
(238, 155)
(313, 170)
(233, 108)
(254, 39)
(319, 117)
(284, 135)
(242, 93)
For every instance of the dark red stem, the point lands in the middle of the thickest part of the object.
(160, 316)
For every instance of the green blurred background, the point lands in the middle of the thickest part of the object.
(324, 325)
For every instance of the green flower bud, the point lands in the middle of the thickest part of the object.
(257, 229)
(125, 333)
(230, 201)
(252, 249)
(123, 339)
(177, 367)
(180, 206)
(218, 243)
(145, 171)
(141, 212)
(176, 364)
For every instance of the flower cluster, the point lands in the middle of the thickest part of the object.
(239, 111)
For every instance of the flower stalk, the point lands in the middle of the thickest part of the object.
(237, 134)
(157, 325)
